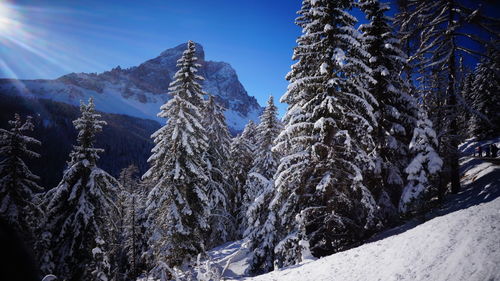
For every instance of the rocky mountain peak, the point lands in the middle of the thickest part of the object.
(140, 90)
(177, 51)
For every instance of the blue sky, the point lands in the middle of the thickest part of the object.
(255, 37)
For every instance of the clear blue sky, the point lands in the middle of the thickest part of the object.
(256, 37)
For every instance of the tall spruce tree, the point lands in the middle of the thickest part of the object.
(18, 184)
(177, 205)
(266, 161)
(79, 209)
(326, 138)
(222, 224)
(130, 240)
(240, 162)
(395, 111)
(259, 188)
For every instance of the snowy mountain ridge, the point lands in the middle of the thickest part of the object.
(139, 91)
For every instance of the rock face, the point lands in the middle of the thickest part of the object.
(140, 90)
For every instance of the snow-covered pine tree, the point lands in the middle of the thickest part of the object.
(177, 205)
(17, 183)
(131, 242)
(118, 253)
(265, 163)
(485, 121)
(240, 162)
(445, 28)
(395, 111)
(222, 224)
(80, 208)
(259, 188)
(426, 163)
(320, 193)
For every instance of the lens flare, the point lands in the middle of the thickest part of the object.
(9, 20)
(31, 39)
(48, 41)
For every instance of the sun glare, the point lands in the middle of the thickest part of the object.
(9, 19)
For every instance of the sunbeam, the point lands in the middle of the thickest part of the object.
(35, 37)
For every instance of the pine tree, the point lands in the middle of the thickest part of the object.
(407, 33)
(259, 188)
(222, 225)
(130, 240)
(426, 162)
(177, 205)
(117, 251)
(395, 110)
(326, 137)
(485, 122)
(266, 161)
(17, 183)
(240, 162)
(79, 209)
(467, 110)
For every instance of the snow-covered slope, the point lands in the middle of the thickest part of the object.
(140, 91)
(461, 241)
(464, 245)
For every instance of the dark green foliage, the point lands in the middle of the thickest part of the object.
(18, 185)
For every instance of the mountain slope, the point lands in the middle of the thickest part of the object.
(140, 91)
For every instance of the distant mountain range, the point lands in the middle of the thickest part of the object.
(139, 91)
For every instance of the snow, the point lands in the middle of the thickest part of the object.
(339, 56)
(323, 68)
(49, 277)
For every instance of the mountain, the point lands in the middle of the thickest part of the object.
(139, 91)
